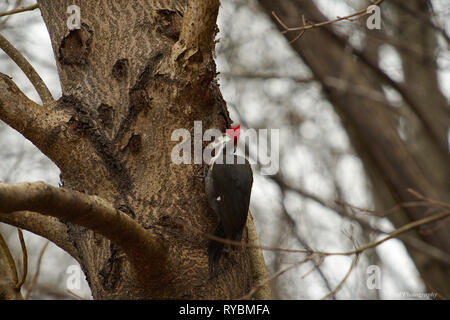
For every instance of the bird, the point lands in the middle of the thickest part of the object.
(228, 184)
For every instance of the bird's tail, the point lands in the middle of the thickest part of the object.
(215, 251)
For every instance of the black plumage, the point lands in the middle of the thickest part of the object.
(228, 186)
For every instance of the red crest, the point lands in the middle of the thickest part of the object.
(234, 132)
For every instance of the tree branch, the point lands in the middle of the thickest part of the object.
(18, 10)
(358, 250)
(24, 259)
(48, 227)
(144, 250)
(36, 273)
(307, 26)
(197, 31)
(28, 69)
(8, 274)
(33, 121)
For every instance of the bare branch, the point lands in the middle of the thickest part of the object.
(25, 259)
(393, 234)
(73, 294)
(322, 254)
(267, 76)
(9, 258)
(48, 227)
(409, 240)
(145, 251)
(339, 286)
(307, 26)
(28, 69)
(36, 273)
(17, 4)
(18, 10)
(33, 121)
(8, 274)
(275, 275)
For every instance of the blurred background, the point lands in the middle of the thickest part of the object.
(346, 99)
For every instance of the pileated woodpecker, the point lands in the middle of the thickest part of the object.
(228, 184)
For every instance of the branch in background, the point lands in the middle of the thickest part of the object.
(434, 124)
(74, 295)
(2, 23)
(6, 253)
(385, 213)
(413, 242)
(8, 274)
(36, 273)
(418, 244)
(18, 10)
(49, 291)
(257, 287)
(293, 226)
(27, 68)
(25, 260)
(144, 250)
(307, 26)
(36, 123)
(47, 227)
(283, 185)
(421, 16)
(267, 76)
(358, 249)
(339, 286)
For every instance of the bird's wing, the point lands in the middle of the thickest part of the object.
(239, 179)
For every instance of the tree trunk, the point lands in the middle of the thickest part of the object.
(134, 72)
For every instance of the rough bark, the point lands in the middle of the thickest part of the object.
(373, 129)
(133, 73)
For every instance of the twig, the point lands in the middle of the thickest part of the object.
(18, 10)
(25, 259)
(36, 273)
(423, 202)
(17, 4)
(27, 68)
(339, 286)
(316, 266)
(385, 213)
(412, 241)
(393, 234)
(74, 295)
(301, 31)
(275, 275)
(267, 76)
(332, 293)
(305, 26)
(429, 200)
(12, 265)
(356, 251)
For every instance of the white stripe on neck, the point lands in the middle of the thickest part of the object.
(220, 142)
